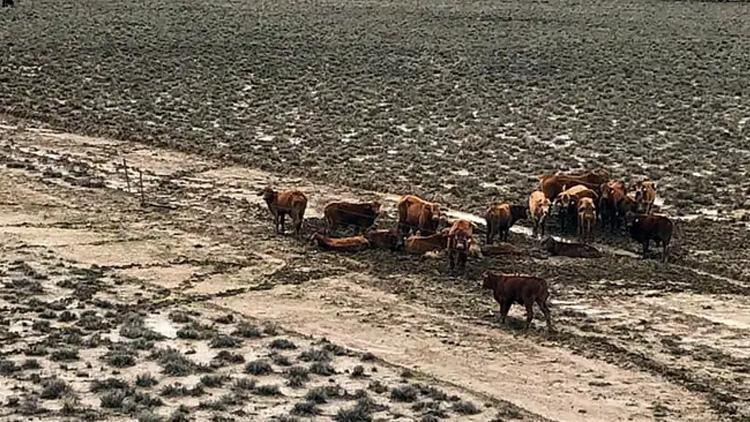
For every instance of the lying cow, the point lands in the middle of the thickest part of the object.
(645, 195)
(586, 218)
(459, 241)
(553, 185)
(645, 228)
(538, 211)
(292, 202)
(344, 244)
(501, 249)
(612, 195)
(567, 203)
(417, 215)
(422, 244)
(500, 218)
(360, 215)
(524, 290)
(384, 239)
(572, 250)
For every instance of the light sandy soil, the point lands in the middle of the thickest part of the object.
(626, 348)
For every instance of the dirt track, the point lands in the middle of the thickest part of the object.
(650, 340)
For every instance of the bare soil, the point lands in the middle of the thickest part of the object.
(644, 341)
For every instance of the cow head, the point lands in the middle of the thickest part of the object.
(563, 200)
(487, 281)
(461, 240)
(268, 194)
(544, 209)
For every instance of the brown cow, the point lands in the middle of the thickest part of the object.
(572, 250)
(647, 227)
(360, 215)
(459, 240)
(538, 210)
(292, 202)
(612, 194)
(567, 202)
(524, 290)
(417, 215)
(645, 195)
(384, 239)
(552, 185)
(422, 244)
(344, 244)
(500, 218)
(586, 218)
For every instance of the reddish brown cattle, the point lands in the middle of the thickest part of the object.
(645, 195)
(384, 239)
(586, 218)
(567, 203)
(647, 227)
(612, 194)
(500, 218)
(422, 244)
(524, 290)
(569, 249)
(459, 240)
(344, 244)
(292, 202)
(538, 210)
(360, 215)
(417, 215)
(552, 185)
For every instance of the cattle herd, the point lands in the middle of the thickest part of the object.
(583, 201)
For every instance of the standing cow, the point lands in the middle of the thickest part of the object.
(417, 215)
(658, 228)
(524, 290)
(538, 211)
(500, 218)
(360, 215)
(459, 241)
(292, 202)
(586, 218)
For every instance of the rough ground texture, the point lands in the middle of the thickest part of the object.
(464, 101)
(86, 268)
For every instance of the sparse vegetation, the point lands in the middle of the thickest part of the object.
(223, 341)
(267, 390)
(53, 388)
(226, 357)
(211, 381)
(145, 380)
(281, 360)
(315, 355)
(64, 355)
(466, 408)
(180, 317)
(247, 330)
(297, 376)
(404, 393)
(305, 408)
(322, 368)
(282, 344)
(173, 362)
(243, 384)
(358, 371)
(258, 367)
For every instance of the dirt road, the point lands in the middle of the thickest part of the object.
(635, 340)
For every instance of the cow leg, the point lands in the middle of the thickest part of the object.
(462, 259)
(298, 225)
(529, 312)
(665, 252)
(282, 220)
(504, 309)
(645, 249)
(451, 259)
(546, 312)
(276, 223)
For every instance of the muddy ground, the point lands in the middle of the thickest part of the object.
(634, 339)
(465, 102)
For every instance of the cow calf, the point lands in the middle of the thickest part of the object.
(524, 290)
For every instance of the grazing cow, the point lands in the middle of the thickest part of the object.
(292, 202)
(500, 218)
(553, 185)
(567, 202)
(647, 227)
(384, 239)
(572, 250)
(524, 290)
(422, 244)
(586, 218)
(344, 244)
(417, 215)
(360, 215)
(8, 3)
(538, 210)
(645, 195)
(459, 240)
(612, 195)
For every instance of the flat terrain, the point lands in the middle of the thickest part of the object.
(464, 102)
